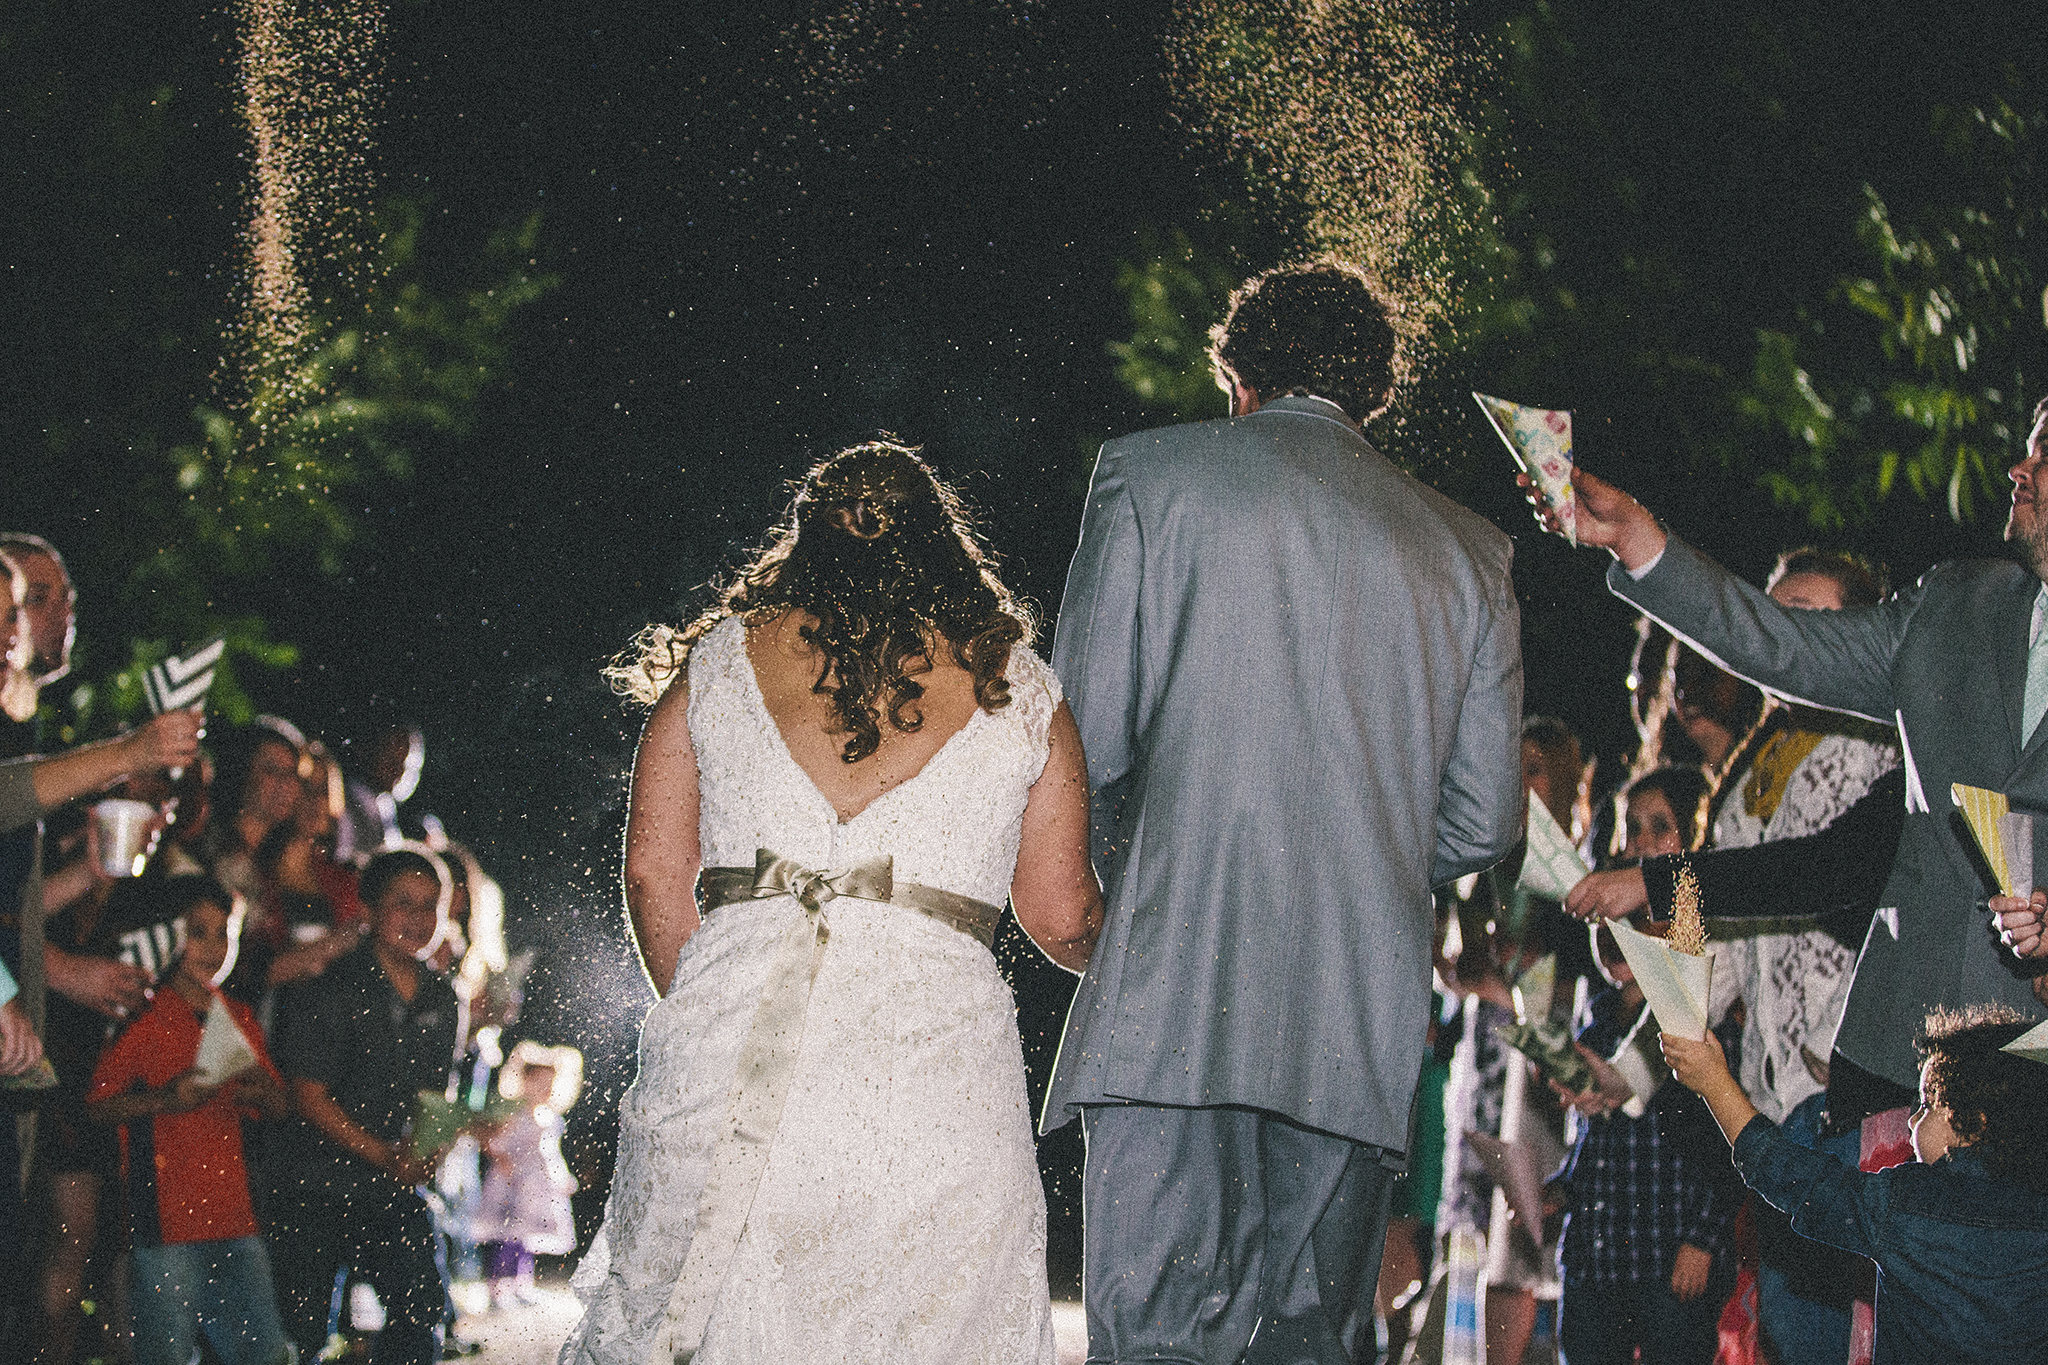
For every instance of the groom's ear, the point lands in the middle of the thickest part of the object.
(1244, 399)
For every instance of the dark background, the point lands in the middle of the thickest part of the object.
(770, 245)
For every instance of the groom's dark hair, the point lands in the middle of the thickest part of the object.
(1322, 328)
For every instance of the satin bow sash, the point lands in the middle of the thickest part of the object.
(871, 880)
(768, 1057)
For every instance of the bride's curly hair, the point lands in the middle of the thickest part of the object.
(885, 559)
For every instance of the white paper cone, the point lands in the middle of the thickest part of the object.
(1676, 985)
(1551, 867)
(1513, 1167)
(2032, 1045)
(224, 1053)
(2016, 838)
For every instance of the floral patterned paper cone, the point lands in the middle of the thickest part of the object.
(1540, 439)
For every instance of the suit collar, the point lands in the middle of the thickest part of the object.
(1305, 405)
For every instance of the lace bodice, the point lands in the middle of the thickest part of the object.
(955, 825)
(1795, 978)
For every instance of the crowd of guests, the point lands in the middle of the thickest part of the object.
(355, 960)
(254, 1046)
(1647, 1242)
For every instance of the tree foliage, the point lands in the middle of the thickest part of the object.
(267, 490)
(1175, 292)
(1922, 374)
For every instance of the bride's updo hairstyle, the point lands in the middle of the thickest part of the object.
(886, 560)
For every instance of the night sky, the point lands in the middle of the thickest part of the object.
(780, 229)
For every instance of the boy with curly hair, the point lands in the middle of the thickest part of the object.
(1961, 1237)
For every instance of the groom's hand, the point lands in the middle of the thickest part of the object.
(1604, 517)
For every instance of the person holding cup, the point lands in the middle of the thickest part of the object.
(99, 956)
(32, 787)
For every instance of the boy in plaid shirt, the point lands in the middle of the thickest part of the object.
(1649, 1195)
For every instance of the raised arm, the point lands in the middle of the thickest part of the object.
(663, 853)
(1055, 894)
(1479, 806)
(169, 741)
(1838, 660)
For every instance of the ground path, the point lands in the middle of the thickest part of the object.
(530, 1334)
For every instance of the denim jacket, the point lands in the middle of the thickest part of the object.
(1962, 1258)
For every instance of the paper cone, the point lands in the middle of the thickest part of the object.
(224, 1052)
(437, 1120)
(2032, 1045)
(1675, 984)
(1983, 810)
(1513, 1167)
(1551, 867)
(1540, 439)
(1551, 1050)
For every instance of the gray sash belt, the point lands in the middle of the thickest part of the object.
(768, 1056)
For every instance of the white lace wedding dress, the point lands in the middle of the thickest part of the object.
(899, 1216)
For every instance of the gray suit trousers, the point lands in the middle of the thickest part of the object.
(1219, 1235)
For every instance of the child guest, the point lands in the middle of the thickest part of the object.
(1648, 1206)
(359, 1043)
(1646, 1188)
(1961, 1238)
(198, 1263)
(525, 1205)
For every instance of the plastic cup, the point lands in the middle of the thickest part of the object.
(124, 830)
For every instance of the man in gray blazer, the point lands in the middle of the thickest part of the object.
(1297, 673)
(1960, 663)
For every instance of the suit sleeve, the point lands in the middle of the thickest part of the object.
(1836, 660)
(1479, 802)
(1095, 652)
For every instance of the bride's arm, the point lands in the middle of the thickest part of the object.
(662, 849)
(1057, 899)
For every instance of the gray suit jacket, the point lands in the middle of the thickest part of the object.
(1947, 661)
(1297, 673)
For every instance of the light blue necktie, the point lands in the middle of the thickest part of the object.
(2034, 701)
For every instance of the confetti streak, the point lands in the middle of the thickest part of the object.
(1346, 118)
(310, 74)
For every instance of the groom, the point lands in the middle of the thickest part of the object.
(1298, 677)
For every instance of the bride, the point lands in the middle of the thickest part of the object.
(852, 759)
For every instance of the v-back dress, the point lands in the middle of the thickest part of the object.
(899, 1215)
